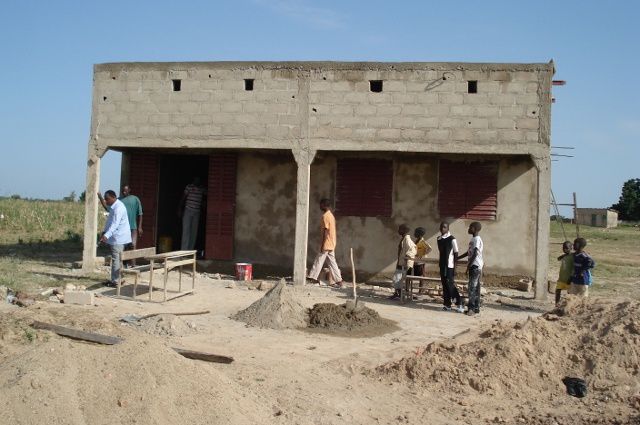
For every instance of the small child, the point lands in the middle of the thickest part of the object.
(404, 265)
(474, 268)
(582, 265)
(422, 250)
(448, 249)
(566, 270)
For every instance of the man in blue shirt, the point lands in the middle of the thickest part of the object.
(117, 233)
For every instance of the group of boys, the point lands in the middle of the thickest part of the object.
(575, 269)
(412, 258)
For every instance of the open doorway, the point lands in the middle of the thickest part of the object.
(176, 172)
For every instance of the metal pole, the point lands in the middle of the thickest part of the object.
(558, 218)
(575, 214)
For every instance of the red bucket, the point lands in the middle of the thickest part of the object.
(244, 271)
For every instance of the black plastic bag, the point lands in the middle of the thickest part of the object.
(576, 387)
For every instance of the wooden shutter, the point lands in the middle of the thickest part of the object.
(143, 182)
(221, 200)
(364, 187)
(468, 190)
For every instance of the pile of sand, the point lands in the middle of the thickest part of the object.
(166, 325)
(348, 318)
(523, 365)
(138, 381)
(278, 309)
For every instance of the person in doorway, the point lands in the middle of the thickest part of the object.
(422, 250)
(189, 211)
(405, 260)
(134, 214)
(327, 246)
(582, 265)
(117, 233)
(566, 270)
(448, 250)
(474, 268)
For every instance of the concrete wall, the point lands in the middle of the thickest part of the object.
(509, 241)
(265, 208)
(327, 104)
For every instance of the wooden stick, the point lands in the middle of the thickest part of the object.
(207, 357)
(187, 313)
(78, 334)
(353, 274)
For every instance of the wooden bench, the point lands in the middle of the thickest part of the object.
(406, 293)
(134, 254)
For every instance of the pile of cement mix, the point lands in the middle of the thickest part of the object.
(348, 317)
(278, 309)
(139, 381)
(524, 364)
(166, 325)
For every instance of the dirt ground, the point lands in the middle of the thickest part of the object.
(286, 376)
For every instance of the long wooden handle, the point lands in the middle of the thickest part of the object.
(353, 275)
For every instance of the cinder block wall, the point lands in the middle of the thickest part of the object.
(326, 103)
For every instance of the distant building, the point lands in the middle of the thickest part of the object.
(597, 217)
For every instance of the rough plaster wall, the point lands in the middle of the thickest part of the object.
(265, 208)
(509, 240)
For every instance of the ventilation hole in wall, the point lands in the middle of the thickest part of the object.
(533, 112)
(248, 84)
(293, 97)
(469, 123)
(375, 86)
(472, 87)
(209, 75)
(113, 78)
(314, 109)
(177, 85)
(444, 77)
(104, 98)
(324, 78)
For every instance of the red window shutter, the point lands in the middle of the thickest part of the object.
(143, 182)
(221, 200)
(364, 187)
(468, 190)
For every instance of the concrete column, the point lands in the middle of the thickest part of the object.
(304, 158)
(91, 209)
(543, 167)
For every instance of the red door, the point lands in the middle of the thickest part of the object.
(143, 182)
(221, 200)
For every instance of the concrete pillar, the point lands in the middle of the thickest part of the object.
(91, 209)
(304, 158)
(543, 167)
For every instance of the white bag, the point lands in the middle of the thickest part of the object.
(398, 278)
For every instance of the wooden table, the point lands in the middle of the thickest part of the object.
(169, 261)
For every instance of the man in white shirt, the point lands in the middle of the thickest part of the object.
(117, 233)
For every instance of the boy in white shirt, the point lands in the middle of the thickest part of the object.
(474, 268)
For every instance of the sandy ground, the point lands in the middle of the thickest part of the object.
(300, 377)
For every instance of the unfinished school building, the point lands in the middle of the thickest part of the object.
(388, 143)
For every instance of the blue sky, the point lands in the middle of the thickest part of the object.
(47, 50)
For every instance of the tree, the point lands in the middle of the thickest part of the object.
(71, 197)
(628, 205)
(82, 196)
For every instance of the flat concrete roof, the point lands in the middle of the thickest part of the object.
(328, 65)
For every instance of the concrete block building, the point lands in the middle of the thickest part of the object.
(388, 143)
(597, 217)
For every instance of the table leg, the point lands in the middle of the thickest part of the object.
(180, 279)
(150, 279)
(135, 285)
(166, 277)
(193, 275)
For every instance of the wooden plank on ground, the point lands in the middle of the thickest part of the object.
(207, 357)
(78, 334)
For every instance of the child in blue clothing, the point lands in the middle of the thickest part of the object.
(582, 265)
